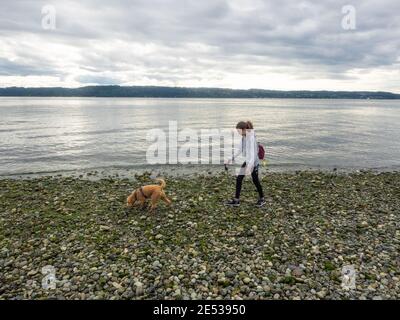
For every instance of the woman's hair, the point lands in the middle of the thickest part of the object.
(244, 125)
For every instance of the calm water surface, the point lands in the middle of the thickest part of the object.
(43, 135)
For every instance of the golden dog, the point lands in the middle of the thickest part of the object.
(153, 192)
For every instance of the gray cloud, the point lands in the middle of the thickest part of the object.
(9, 68)
(96, 79)
(172, 42)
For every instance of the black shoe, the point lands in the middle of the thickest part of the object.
(233, 203)
(261, 202)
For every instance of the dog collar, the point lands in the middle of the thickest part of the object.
(141, 191)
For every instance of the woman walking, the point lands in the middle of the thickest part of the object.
(249, 148)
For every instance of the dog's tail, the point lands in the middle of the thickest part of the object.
(162, 182)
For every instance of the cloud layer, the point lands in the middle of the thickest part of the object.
(266, 44)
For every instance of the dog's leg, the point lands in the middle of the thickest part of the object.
(143, 204)
(154, 199)
(165, 199)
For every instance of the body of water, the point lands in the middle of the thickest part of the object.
(44, 135)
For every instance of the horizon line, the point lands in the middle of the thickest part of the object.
(212, 88)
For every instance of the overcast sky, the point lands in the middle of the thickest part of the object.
(269, 44)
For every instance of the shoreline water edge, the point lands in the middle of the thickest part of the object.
(130, 172)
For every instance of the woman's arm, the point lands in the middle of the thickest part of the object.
(238, 151)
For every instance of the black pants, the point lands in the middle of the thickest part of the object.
(256, 181)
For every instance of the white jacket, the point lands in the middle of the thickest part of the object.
(248, 149)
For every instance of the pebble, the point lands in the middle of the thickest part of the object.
(246, 280)
(139, 288)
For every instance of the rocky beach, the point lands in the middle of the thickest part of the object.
(314, 224)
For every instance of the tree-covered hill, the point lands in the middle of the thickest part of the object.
(181, 92)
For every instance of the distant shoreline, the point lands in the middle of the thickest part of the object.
(189, 93)
(197, 98)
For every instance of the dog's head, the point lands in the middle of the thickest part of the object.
(131, 199)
